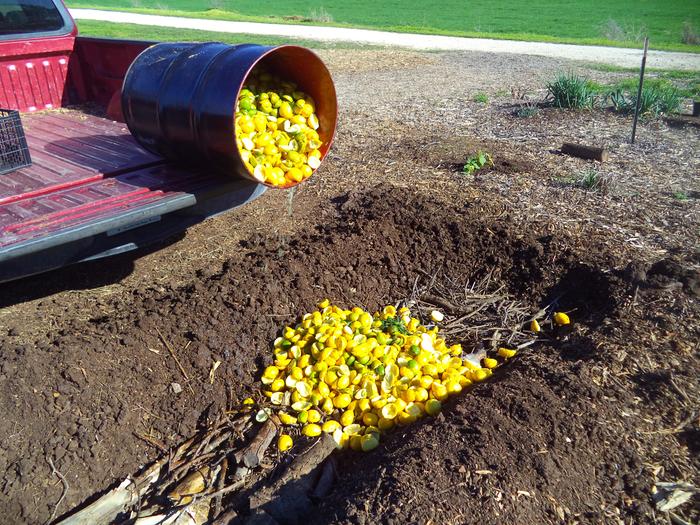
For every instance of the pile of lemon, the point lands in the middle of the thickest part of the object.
(276, 131)
(356, 375)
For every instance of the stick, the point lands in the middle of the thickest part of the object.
(282, 497)
(55, 471)
(217, 501)
(307, 461)
(152, 441)
(639, 90)
(675, 518)
(172, 353)
(252, 455)
(439, 301)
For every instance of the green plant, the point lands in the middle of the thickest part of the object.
(394, 325)
(589, 179)
(613, 31)
(569, 90)
(476, 162)
(659, 97)
(680, 195)
(321, 15)
(527, 111)
(481, 97)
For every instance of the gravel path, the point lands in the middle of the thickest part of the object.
(609, 55)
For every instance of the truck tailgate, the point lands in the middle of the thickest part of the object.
(93, 191)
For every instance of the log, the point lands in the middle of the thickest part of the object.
(585, 152)
(252, 455)
(287, 499)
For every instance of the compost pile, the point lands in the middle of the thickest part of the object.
(276, 131)
(341, 378)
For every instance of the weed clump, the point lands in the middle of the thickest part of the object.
(569, 90)
(690, 35)
(481, 98)
(658, 98)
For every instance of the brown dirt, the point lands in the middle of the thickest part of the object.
(575, 430)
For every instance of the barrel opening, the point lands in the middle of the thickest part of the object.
(308, 73)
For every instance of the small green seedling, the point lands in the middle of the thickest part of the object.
(680, 195)
(527, 111)
(476, 162)
(481, 97)
(589, 179)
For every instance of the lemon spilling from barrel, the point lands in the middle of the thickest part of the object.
(276, 129)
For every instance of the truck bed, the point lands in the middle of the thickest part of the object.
(92, 191)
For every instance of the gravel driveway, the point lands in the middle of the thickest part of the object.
(609, 55)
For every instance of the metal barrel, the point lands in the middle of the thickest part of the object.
(179, 99)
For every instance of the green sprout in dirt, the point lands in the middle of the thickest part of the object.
(680, 195)
(481, 98)
(476, 162)
(527, 111)
(589, 179)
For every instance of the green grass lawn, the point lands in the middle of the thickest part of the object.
(618, 22)
(688, 82)
(168, 34)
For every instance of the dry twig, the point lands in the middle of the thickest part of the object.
(476, 314)
(60, 476)
(177, 361)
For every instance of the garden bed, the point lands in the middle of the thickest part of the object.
(578, 428)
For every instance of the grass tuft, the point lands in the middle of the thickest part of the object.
(569, 90)
(689, 35)
(590, 179)
(481, 97)
(321, 16)
(658, 98)
(613, 31)
(527, 111)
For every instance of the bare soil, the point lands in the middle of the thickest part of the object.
(577, 429)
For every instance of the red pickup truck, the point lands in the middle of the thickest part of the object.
(91, 190)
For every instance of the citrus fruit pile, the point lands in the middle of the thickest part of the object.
(276, 131)
(356, 375)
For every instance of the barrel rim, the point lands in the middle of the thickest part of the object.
(271, 50)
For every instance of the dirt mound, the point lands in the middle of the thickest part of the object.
(548, 439)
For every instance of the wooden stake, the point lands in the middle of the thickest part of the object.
(639, 90)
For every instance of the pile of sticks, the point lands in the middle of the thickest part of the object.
(188, 485)
(477, 314)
